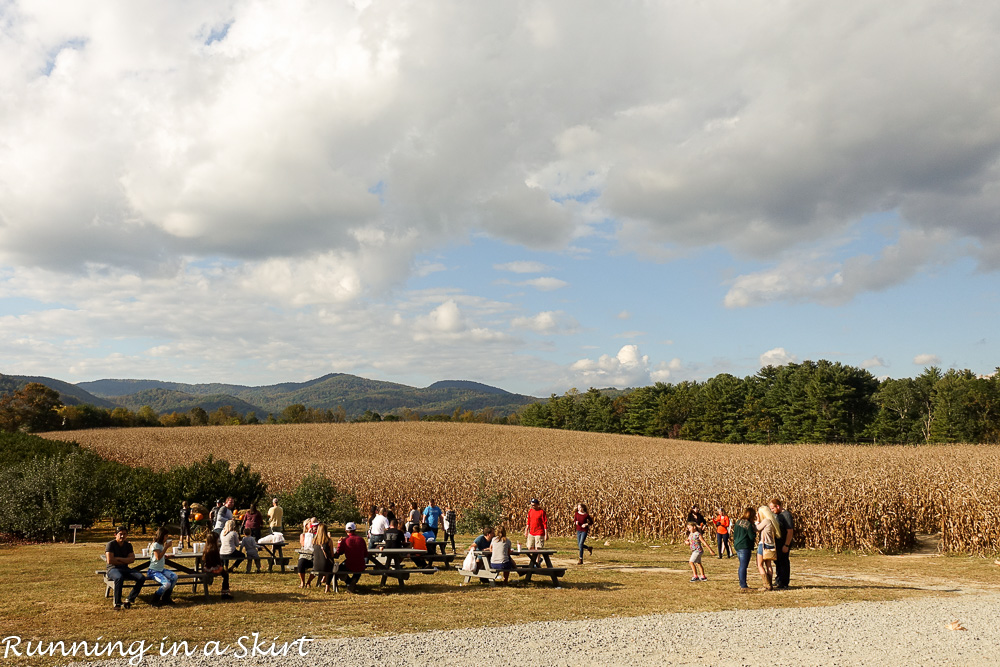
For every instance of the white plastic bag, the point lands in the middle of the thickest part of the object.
(469, 564)
(273, 538)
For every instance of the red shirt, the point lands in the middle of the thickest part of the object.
(538, 521)
(580, 519)
(355, 552)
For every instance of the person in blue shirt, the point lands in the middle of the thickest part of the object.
(432, 517)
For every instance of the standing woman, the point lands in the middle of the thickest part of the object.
(697, 518)
(413, 520)
(767, 526)
(721, 523)
(582, 522)
(253, 520)
(450, 527)
(744, 536)
(323, 557)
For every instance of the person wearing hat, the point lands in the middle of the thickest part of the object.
(355, 552)
(536, 530)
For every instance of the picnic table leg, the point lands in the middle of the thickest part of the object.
(281, 560)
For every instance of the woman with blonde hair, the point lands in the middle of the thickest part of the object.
(323, 557)
(770, 530)
(229, 547)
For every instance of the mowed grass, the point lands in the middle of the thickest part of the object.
(50, 592)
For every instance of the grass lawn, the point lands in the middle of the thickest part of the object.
(50, 592)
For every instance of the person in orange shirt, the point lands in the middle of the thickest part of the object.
(721, 523)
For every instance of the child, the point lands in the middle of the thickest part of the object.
(214, 565)
(430, 539)
(185, 524)
(158, 572)
(249, 546)
(697, 544)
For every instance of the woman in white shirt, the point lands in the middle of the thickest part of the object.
(230, 546)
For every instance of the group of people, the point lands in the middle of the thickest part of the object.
(120, 555)
(495, 542)
(769, 530)
(430, 522)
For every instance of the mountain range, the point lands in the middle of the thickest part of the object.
(355, 394)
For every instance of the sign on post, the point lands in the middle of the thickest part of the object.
(75, 527)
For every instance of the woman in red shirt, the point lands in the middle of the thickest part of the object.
(582, 522)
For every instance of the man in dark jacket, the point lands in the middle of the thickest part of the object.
(782, 567)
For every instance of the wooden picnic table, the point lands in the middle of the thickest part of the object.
(275, 554)
(384, 563)
(185, 575)
(539, 563)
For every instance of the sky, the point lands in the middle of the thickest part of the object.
(534, 195)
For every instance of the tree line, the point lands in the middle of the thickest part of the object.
(49, 485)
(819, 401)
(36, 407)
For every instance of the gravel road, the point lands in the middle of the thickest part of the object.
(910, 632)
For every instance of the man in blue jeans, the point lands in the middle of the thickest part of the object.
(782, 567)
(120, 555)
(432, 517)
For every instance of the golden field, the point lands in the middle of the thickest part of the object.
(843, 497)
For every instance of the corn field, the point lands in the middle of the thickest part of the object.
(843, 497)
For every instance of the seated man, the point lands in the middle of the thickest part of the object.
(482, 543)
(120, 555)
(355, 553)
(394, 539)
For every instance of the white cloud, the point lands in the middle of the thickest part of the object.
(522, 267)
(628, 368)
(816, 277)
(874, 362)
(624, 315)
(927, 360)
(545, 284)
(547, 322)
(777, 357)
(630, 334)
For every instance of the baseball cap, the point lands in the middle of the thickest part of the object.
(350, 526)
(534, 501)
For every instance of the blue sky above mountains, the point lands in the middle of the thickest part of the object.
(533, 195)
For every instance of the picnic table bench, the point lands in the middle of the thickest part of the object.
(275, 555)
(383, 563)
(185, 575)
(539, 563)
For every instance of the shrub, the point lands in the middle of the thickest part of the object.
(317, 496)
(487, 509)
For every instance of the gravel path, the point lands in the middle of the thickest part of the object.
(910, 632)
